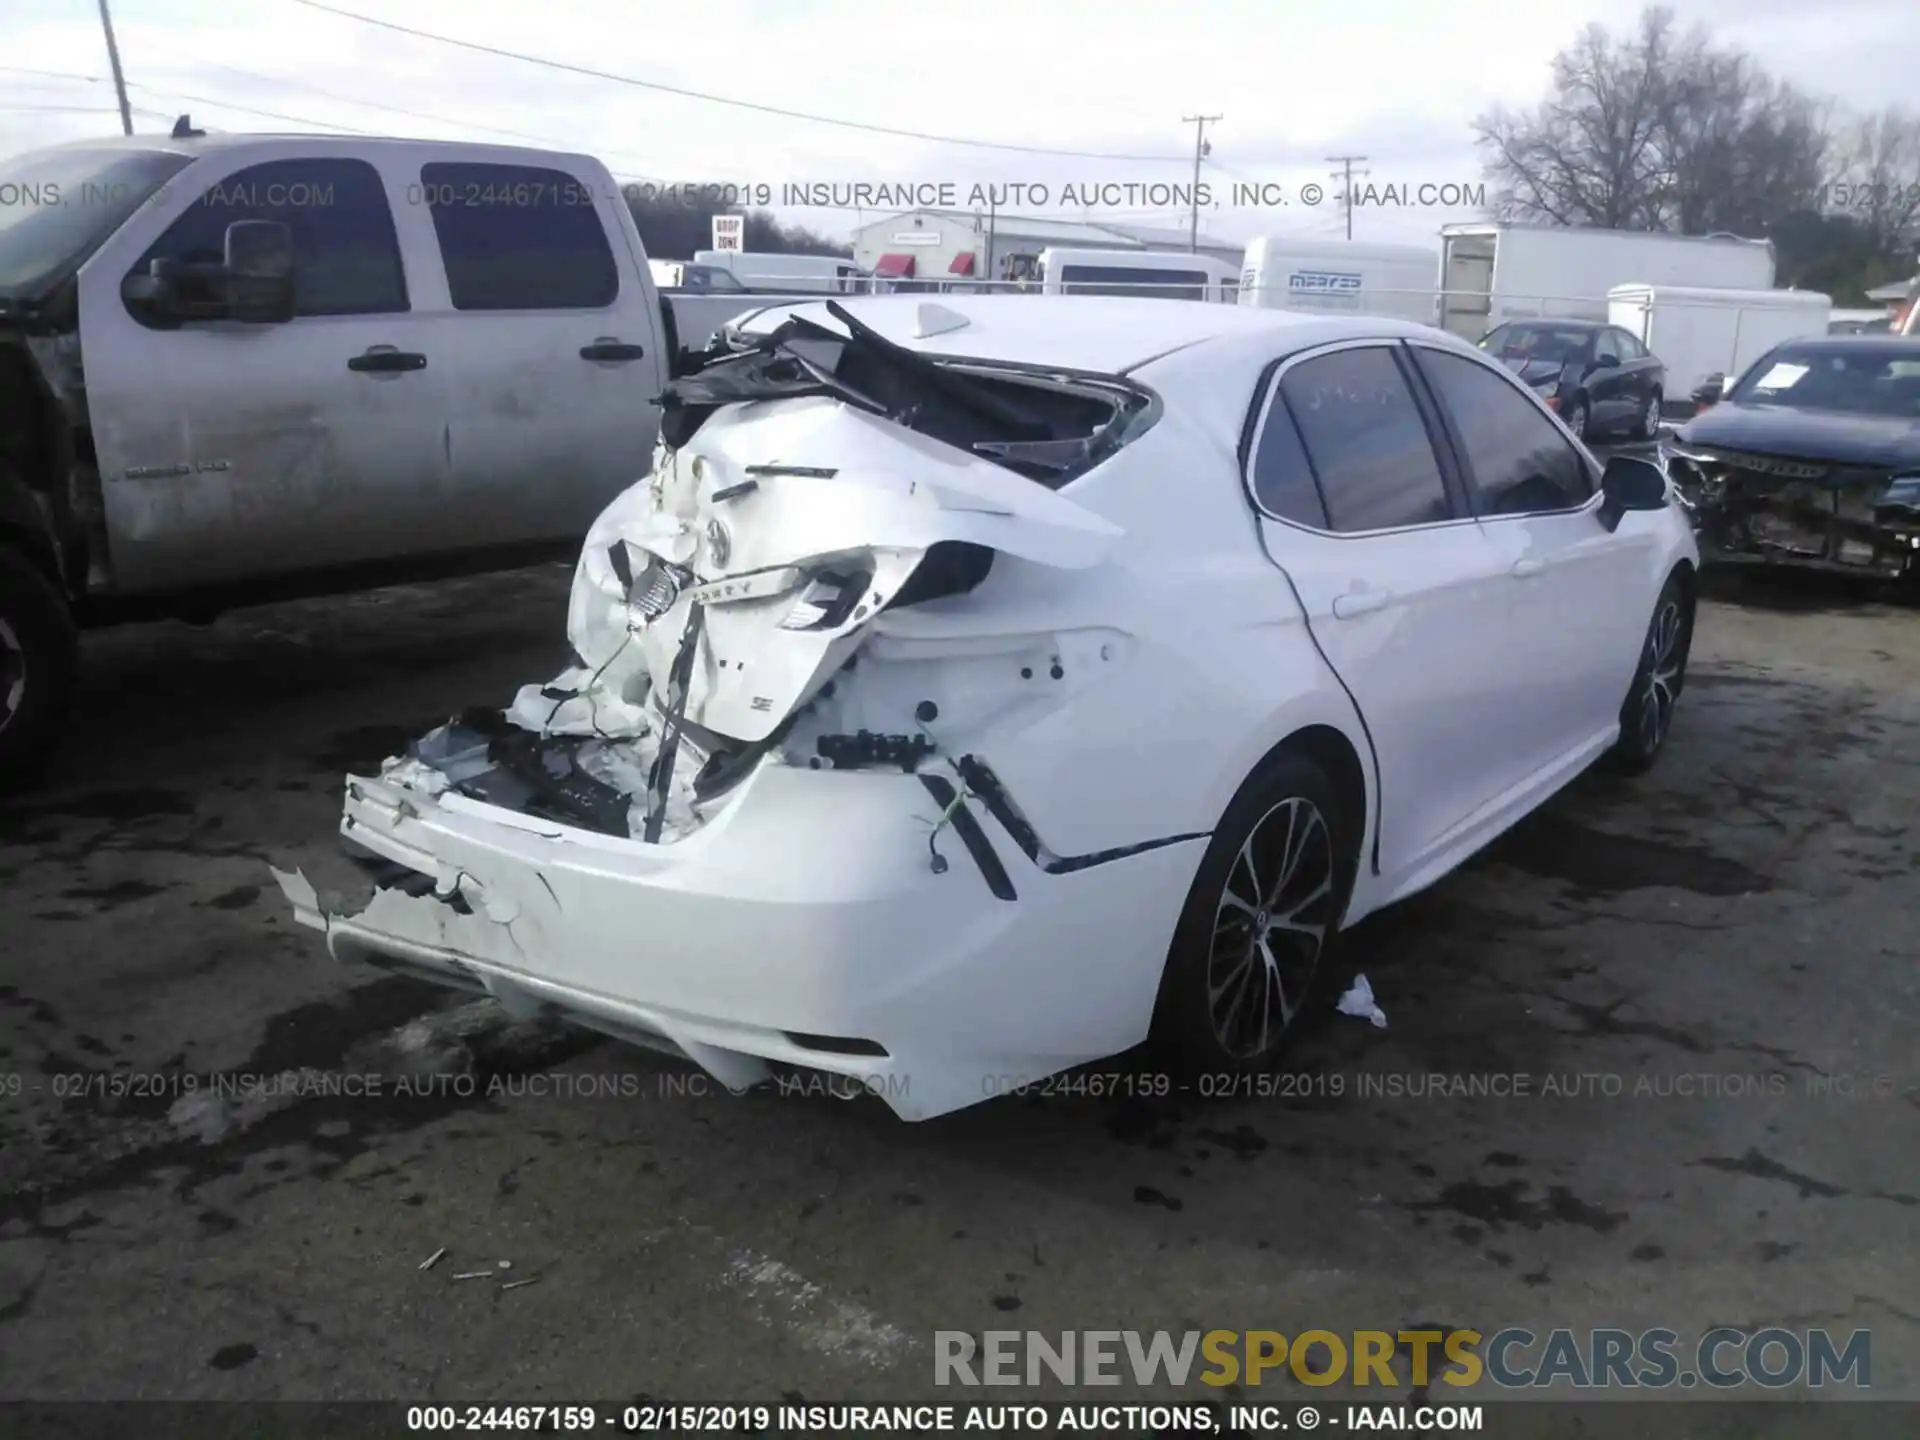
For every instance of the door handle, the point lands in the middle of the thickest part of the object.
(1358, 602)
(1527, 569)
(604, 349)
(384, 359)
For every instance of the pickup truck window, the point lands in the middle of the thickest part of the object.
(519, 237)
(346, 257)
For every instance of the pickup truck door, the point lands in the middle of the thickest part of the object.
(229, 451)
(553, 342)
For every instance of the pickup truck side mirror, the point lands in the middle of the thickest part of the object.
(1630, 484)
(253, 282)
(259, 271)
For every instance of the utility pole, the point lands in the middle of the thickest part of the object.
(993, 211)
(1345, 175)
(119, 80)
(1201, 149)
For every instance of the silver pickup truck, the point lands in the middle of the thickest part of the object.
(239, 367)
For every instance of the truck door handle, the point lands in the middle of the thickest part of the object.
(384, 359)
(1527, 569)
(612, 350)
(1358, 602)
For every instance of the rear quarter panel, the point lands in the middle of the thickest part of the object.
(1221, 667)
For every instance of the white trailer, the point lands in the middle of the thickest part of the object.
(1286, 272)
(772, 274)
(1698, 333)
(1157, 274)
(1490, 274)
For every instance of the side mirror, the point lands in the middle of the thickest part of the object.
(1710, 392)
(259, 272)
(1630, 484)
(1605, 362)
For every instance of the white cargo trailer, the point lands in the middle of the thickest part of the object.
(1354, 277)
(1490, 274)
(1697, 332)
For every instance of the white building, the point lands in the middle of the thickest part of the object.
(932, 245)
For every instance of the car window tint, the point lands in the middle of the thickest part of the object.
(1630, 348)
(346, 257)
(1607, 347)
(519, 237)
(1282, 479)
(1518, 461)
(1366, 440)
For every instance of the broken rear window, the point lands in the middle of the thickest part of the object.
(1047, 425)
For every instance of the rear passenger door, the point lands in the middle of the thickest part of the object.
(551, 368)
(1574, 600)
(1406, 596)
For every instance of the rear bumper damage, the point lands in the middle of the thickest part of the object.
(714, 836)
(1809, 516)
(840, 922)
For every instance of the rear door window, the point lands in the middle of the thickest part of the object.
(519, 237)
(1281, 475)
(1366, 440)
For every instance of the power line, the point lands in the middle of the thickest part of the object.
(200, 100)
(738, 104)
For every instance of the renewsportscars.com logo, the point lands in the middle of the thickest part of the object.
(1722, 1359)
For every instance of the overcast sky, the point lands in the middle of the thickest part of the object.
(1394, 80)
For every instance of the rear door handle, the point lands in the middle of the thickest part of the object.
(384, 359)
(1527, 569)
(612, 350)
(1359, 602)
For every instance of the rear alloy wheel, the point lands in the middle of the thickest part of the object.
(1647, 715)
(1649, 428)
(1577, 418)
(1251, 954)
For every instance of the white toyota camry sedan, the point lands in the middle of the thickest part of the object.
(977, 688)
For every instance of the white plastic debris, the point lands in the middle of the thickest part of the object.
(434, 1259)
(1359, 1001)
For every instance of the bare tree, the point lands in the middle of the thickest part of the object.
(1589, 154)
(1661, 131)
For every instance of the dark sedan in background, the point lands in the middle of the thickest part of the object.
(1597, 377)
(1812, 459)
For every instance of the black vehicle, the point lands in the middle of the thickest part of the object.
(1812, 458)
(1597, 377)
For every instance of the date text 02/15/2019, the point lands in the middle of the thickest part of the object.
(1153, 1085)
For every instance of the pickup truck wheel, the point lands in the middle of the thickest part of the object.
(39, 657)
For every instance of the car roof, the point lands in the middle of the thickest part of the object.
(1555, 322)
(1107, 334)
(1900, 344)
